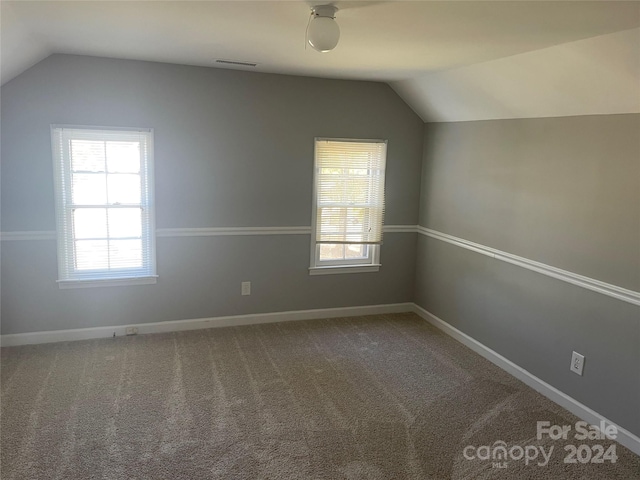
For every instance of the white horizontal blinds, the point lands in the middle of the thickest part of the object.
(349, 191)
(105, 217)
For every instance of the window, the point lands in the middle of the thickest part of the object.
(348, 205)
(104, 206)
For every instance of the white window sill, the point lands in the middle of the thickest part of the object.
(344, 269)
(107, 282)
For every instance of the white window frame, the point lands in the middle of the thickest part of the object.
(68, 275)
(370, 263)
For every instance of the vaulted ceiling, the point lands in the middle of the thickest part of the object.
(450, 60)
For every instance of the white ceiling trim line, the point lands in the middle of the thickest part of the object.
(28, 235)
(201, 232)
(614, 291)
(241, 231)
(231, 231)
(400, 228)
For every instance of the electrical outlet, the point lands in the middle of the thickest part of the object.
(577, 363)
(131, 331)
(246, 288)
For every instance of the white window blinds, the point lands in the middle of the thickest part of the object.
(349, 183)
(104, 203)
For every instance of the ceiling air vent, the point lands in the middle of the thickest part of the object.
(241, 64)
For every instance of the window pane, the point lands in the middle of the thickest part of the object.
(125, 222)
(355, 222)
(346, 189)
(89, 223)
(332, 219)
(89, 188)
(104, 203)
(92, 254)
(331, 190)
(125, 253)
(87, 156)
(332, 251)
(123, 157)
(359, 190)
(356, 251)
(124, 188)
(338, 251)
(349, 184)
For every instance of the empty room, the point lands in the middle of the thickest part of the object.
(309, 240)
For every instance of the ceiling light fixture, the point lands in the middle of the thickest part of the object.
(323, 32)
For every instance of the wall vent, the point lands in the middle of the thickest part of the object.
(242, 64)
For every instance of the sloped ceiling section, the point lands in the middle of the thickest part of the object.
(19, 48)
(599, 75)
(449, 60)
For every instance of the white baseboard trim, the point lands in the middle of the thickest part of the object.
(625, 437)
(12, 340)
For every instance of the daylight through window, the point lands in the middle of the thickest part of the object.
(104, 204)
(348, 206)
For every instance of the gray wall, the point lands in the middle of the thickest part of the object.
(235, 149)
(231, 149)
(562, 191)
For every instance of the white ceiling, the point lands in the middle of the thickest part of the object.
(598, 75)
(384, 41)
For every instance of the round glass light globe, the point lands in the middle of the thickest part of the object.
(324, 34)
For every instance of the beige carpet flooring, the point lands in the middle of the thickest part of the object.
(377, 397)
